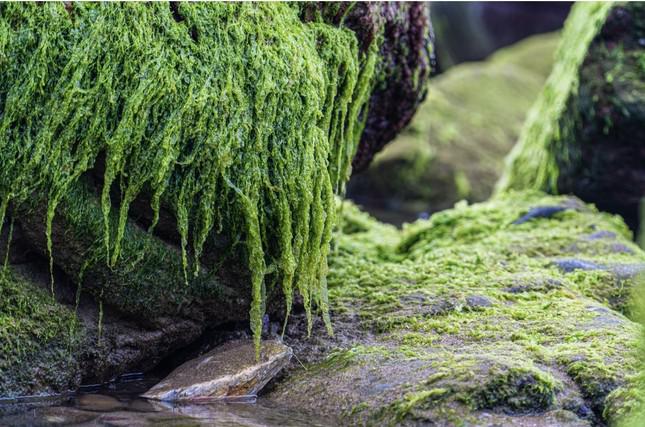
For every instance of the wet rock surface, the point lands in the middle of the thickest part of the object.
(229, 371)
(119, 404)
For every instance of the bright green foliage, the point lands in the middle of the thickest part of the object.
(532, 163)
(633, 415)
(239, 117)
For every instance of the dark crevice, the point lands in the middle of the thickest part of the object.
(174, 9)
(194, 34)
(178, 17)
(69, 7)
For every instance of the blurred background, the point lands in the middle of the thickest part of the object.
(492, 59)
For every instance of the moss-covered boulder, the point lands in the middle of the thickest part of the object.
(585, 133)
(455, 146)
(509, 312)
(406, 60)
(171, 167)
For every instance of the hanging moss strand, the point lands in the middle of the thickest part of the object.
(237, 117)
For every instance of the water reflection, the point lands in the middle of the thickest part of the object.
(118, 404)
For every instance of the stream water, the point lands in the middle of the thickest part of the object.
(118, 404)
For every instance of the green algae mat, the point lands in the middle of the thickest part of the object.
(514, 311)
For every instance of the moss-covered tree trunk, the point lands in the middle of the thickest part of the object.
(585, 134)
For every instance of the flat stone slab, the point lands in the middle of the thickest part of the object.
(229, 371)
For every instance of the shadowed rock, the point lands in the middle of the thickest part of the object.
(454, 147)
(585, 133)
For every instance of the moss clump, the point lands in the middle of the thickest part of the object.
(478, 305)
(455, 146)
(518, 389)
(39, 339)
(240, 118)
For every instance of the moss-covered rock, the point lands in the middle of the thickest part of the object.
(174, 165)
(39, 339)
(181, 103)
(139, 310)
(585, 133)
(455, 146)
(406, 60)
(473, 317)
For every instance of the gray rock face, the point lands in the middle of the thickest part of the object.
(227, 372)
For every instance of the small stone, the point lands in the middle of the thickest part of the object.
(627, 271)
(98, 403)
(62, 415)
(619, 248)
(540, 212)
(534, 285)
(227, 372)
(478, 301)
(440, 308)
(620, 271)
(602, 234)
(569, 265)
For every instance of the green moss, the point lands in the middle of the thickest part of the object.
(547, 132)
(473, 304)
(627, 406)
(239, 117)
(413, 400)
(519, 389)
(38, 339)
(148, 279)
